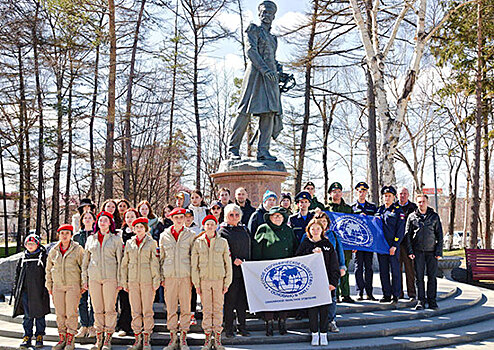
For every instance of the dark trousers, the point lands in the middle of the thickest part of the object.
(426, 262)
(193, 301)
(318, 318)
(86, 312)
(344, 286)
(407, 263)
(235, 300)
(28, 321)
(390, 263)
(269, 316)
(125, 317)
(363, 272)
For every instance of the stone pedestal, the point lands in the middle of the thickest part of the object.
(255, 176)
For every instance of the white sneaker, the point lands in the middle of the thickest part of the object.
(324, 338)
(315, 339)
(333, 328)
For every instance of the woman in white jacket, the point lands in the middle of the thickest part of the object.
(101, 274)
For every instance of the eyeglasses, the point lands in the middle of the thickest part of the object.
(215, 208)
(234, 215)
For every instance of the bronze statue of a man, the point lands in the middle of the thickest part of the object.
(260, 88)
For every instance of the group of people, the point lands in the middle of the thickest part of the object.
(130, 255)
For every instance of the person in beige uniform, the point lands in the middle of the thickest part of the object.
(63, 281)
(140, 277)
(175, 253)
(211, 275)
(101, 274)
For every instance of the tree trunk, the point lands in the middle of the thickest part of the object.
(4, 199)
(307, 99)
(41, 142)
(69, 151)
(127, 141)
(172, 108)
(373, 170)
(55, 205)
(475, 203)
(22, 126)
(487, 180)
(110, 125)
(195, 92)
(92, 188)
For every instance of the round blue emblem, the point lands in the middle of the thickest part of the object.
(287, 279)
(352, 231)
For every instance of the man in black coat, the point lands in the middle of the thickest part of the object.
(425, 247)
(244, 203)
(405, 262)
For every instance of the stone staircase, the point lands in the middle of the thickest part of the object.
(465, 315)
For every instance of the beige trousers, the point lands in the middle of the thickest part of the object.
(178, 290)
(103, 298)
(141, 297)
(212, 305)
(66, 301)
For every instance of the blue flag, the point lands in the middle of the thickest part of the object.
(359, 232)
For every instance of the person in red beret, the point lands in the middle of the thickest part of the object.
(211, 279)
(101, 275)
(175, 252)
(64, 283)
(141, 280)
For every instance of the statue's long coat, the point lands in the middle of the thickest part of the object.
(260, 95)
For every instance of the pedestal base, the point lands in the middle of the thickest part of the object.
(256, 177)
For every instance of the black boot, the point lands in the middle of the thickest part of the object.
(269, 328)
(282, 326)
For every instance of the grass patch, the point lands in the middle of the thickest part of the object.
(2, 251)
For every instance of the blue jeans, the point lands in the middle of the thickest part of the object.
(28, 322)
(86, 311)
(332, 308)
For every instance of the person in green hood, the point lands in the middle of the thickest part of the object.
(274, 240)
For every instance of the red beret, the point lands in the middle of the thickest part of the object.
(66, 227)
(177, 211)
(209, 217)
(140, 220)
(104, 213)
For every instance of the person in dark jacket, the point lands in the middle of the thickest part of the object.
(240, 248)
(86, 313)
(244, 203)
(393, 220)
(163, 223)
(316, 242)
(31, 296)
(363, 260)
(314, 203)
(337, 204)
(286, 202)
(425, 247)
(299, 221)
(405, 262)
(269, 200)
(274, 240)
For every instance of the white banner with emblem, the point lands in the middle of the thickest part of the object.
(286, 284)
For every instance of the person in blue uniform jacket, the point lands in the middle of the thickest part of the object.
(299, 221)
(363, 259)
(393, 219)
